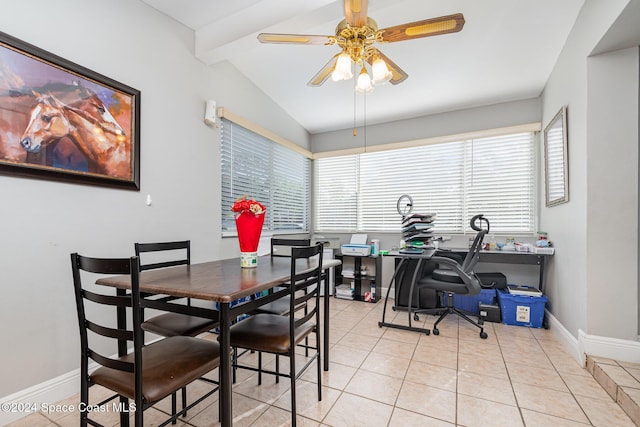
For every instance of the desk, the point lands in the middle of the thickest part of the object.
(511, 257)
(502, 257)
(223, 282)
(426, 255)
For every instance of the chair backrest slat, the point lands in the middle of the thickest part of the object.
(111, 363)
(107, 332)
(185, 245)
(289, 243)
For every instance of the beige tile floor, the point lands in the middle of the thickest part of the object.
(389, 377)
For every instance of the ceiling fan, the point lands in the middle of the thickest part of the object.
(356, 35)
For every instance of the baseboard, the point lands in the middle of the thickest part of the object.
(567, 339)
(23, 402)
(594, 345)
(611, 348)
(33, 399)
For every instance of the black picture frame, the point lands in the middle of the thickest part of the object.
(60, 121)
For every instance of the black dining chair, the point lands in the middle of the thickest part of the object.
(171, 254)
(281, 334)
(143, 374)
(280, 248)
(172, 324)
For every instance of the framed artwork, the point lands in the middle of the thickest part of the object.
(60, 121)
(556, 160)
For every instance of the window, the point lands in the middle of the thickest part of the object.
(264, 170)
(456, 180)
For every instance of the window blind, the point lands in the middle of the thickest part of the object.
(266, 171)
(456, 180)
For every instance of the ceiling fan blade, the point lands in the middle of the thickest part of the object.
(295, 38)
(355, 12)
(397, 74)
(428, 27)
(325, 72)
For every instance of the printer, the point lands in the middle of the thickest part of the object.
(357, 246)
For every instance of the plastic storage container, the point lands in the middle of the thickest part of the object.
(522, 310)
(471, 303)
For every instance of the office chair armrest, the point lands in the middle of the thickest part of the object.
(467, 278)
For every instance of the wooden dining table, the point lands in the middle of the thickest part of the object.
(223, 282)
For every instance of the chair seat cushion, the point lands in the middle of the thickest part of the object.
(280, 306)
(267, 332)
(445, 275)
(445, 281)
(177, 324)
(168, 365)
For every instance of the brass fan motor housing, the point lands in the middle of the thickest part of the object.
(357, 42)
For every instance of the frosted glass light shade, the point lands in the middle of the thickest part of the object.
(380, 71)
(364, 82)
(342, 71)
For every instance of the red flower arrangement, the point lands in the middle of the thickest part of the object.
(249, 216)
(242, 205)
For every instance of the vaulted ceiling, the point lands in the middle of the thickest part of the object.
(505, 52)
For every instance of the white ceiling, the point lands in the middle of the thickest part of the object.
(506, 51)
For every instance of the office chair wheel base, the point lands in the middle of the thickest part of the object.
(435, 331)
(416, 317)
(483, 335)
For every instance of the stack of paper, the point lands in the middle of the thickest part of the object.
(417, 229)
(344, 292)
(524, 290)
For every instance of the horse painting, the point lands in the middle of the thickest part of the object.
(91, 128)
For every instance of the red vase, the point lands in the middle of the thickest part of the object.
(249, 227)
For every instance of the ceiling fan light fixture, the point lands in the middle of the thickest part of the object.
(342, 71)
(380, 71)
(364, 81)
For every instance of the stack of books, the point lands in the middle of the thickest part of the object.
(417, 229)
(344, 292)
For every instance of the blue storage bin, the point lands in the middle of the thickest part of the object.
(470, 303)
(522, 310)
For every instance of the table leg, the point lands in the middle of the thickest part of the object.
(226, 416)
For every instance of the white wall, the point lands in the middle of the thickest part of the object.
(612, 196)
(43, 222)
(495, 116)
(575, 280)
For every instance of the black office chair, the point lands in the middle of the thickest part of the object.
(145, 374)
(280, 335)
(458, 278)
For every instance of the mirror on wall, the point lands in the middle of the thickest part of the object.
(556, 161)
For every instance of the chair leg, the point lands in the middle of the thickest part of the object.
(483, 334)
(451, 309)
(292, 376)
(319, 363)
(234, 358)
(174, 406)
(277, 368)
(184, 401)
(259, 368)
(435, 329)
